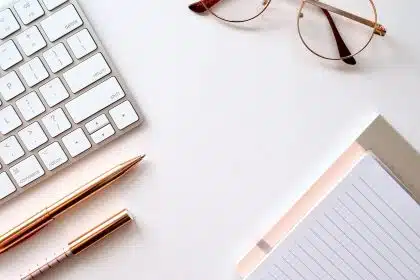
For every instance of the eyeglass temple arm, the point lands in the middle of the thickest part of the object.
(343, 50)
(379, 28)
(198, 6)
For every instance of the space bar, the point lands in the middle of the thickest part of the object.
(94, 100)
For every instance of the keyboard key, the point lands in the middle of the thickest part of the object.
(27, 171)
(9, 55)
(30, 106)
(81, 43)
(124, 115)
(96, 123)
(53, 156)
(9, 120)
(52, 71)
(94, 100)
(29, 10)
(33, 136)
(61, 23)
(52, 4)
(54, 92)
(8, 23)
(6, 186)
(57, 58)
(76, 142)
(11, 86)
(10, 150)
(103, 134)
(87, 72)
(56, 122)
(31, 40)
(33, 72)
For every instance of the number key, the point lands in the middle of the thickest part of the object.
(9, 55)
(29, 10)
(8, 23)
(31, 40)
(52, 4)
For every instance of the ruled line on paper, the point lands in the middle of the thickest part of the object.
(310, 256)
(307, 267)
(348, 251)
(382, 228)
(329, 246)
(327, 258)
(370, 244)
(281, 270)
(357, 245)
(377, 237)
(272, 275)
(294, 269)
(357, 232)
(389, 206)
(405, 237)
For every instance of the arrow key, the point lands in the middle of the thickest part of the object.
(103, 134)
(97, 123)
(76, 142)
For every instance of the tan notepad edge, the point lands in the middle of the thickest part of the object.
(384, 142)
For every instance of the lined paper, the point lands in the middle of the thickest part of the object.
(367, 228)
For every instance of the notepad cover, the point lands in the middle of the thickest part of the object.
(390, 148)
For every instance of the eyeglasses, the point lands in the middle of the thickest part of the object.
(314, 17)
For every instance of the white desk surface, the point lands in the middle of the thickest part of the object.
(239, 124)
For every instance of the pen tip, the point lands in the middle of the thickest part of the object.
(138, 158)
(131, 163)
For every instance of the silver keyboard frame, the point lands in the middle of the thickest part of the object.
(114, 72)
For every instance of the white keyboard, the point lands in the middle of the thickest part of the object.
(60, 95)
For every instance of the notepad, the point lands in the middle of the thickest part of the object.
(367, 227)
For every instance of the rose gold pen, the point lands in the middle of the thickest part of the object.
(37, 222)
(84, 242)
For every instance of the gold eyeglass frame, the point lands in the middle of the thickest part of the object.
(377, 28)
